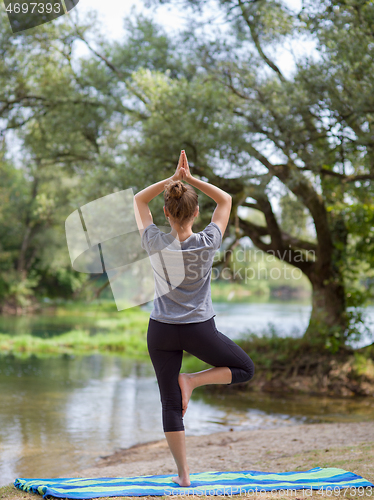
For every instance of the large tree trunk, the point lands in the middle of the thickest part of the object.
(328, 317)
(322, 263)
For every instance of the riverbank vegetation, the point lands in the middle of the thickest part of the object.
(108, 332)
(283, 364)
(294, 365)
(77, 342)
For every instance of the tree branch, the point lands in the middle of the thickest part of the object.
(251, 205)
(272, 224)
(290, 255)
(112, 67)
(347, 178)
(256, 41)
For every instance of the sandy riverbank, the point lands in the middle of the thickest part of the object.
(349, 446)
(294, 447)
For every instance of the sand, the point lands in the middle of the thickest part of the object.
(273, 449)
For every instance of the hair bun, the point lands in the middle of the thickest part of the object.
(181, 201)
(177, 189)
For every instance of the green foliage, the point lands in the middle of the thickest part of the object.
(270, 20)
(363, 365)
(129, 343)
(359, 270)
(117, 119)
(119, 333)
(293, 216)
(17, 289)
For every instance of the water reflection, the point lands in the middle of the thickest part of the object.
(46, 324)
(58, 415)
(309, 408)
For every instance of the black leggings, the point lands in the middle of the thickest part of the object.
(166, 343)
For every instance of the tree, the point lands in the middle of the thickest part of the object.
(312, 132)
(245, 126)
(70, 121)
(37, 93)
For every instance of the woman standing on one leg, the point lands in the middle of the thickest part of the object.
(182, 318)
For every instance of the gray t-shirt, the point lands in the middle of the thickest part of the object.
(182, 273)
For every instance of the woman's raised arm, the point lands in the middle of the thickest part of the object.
(221, 214)
(214, 192)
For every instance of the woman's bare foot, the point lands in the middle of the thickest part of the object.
(185, 384)
(183, 480)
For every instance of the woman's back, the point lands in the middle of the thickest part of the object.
(182, 273)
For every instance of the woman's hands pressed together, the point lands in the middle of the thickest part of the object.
(183, 170)
(186, 169)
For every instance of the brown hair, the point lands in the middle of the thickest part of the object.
(180, 200)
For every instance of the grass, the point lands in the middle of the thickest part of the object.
(358, 459)
(131, 343)
(122, 333)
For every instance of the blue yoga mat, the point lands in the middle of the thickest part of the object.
(202, 483)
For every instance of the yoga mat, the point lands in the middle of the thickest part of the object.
(202, 483)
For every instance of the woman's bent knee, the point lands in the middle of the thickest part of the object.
(244, 374)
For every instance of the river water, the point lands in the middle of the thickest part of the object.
(289, 318)
(60, 414)
(232, 319)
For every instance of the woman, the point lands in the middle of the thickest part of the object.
(182, 318)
